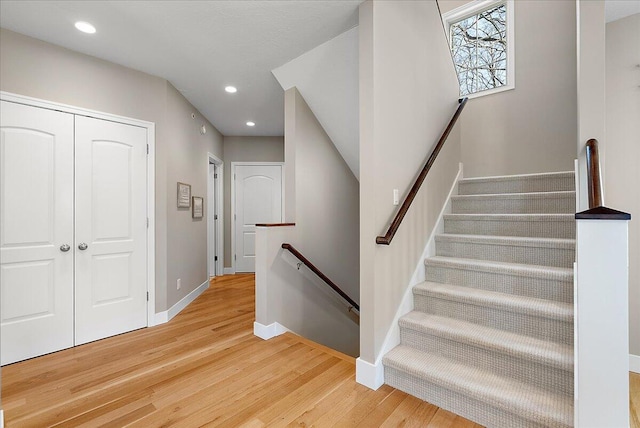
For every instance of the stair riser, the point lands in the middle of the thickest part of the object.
(550, 289)
(532, 229)
(538, 327)
(460, 404)
(542, 376)
(557, 257)
(518, 185)
(514, 206)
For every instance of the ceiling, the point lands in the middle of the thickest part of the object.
(618, 9)
(199, 46)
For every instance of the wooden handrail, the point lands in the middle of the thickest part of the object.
(404, 208)
(594, 187)
(322, 276)
(597, 211)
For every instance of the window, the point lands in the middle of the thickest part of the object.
(481, 40)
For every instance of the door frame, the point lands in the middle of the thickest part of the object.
(151, 177)
(233, 201)
(215, 194)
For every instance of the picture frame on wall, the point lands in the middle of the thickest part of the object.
(184, 195)
(198, 207)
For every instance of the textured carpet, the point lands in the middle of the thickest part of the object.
(491, 334)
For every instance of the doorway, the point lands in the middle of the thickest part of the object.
(257, 198)
(215, 235)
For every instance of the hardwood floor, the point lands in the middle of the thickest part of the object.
(205, 368)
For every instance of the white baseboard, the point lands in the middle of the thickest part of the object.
(228, 271)
(634, 363)
(266, 332)
(369, 375)
(1, 418)
(166, 316)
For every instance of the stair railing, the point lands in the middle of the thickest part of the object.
(594, 185)
(597, 210)
(322, 276)
(406, 204)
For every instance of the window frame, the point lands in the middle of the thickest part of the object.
(473, 8)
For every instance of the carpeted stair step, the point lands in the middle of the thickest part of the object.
(539, 282)
(533, 251)
(526, 183)
(540, 363)
(515, 203)
(539, 318)
(479, 395)
(527, 225)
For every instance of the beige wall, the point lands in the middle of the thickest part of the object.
(402, 115)
(187, 162)
(326, 198)
(245, 149)
(295, 298)
(622, 175)
(34, 68)
(326, 220)
(531, 128)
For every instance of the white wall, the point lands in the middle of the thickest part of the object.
(245, 149)
(408, 93)
(38, 69)
(622, 175)
(327, 78)
(531, 128)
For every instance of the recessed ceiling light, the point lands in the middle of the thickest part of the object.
(231, 89)
(85, 27)
(251, 123)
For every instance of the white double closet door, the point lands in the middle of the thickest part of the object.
(72, 230)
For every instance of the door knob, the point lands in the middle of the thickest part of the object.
(83, 246)
(64, 248)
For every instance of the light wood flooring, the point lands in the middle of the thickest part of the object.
(205, 368)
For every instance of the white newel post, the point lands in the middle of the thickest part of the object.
(601, 323)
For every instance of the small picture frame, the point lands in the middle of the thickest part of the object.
(184, 195)
(198, 207)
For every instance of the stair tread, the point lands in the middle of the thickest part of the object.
(556, 273)
(544, 175)
(511, 217)
(502, 301)
(513, 344)
(519, 195)
(520, 241)
(527, 401)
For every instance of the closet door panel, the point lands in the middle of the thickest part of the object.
(111, 226)
(36, 222)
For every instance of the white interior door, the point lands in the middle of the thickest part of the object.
(111, 222)
(258, 199)
(36, 226)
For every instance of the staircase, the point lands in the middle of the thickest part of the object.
(491, 335)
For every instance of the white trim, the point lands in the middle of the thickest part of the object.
(229, 271)
(1, 418)
(184, 302)
(392, 338)
(266, 332)
(634, 363)
(472, 8)
(369, 375)
(166, 316)
(219, 210)
(151, 172)
(233, 202)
